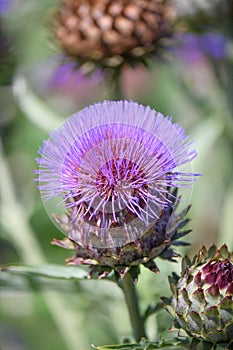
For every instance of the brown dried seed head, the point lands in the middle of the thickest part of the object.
(97, 30)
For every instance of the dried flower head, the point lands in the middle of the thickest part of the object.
(113, 165)
(203, 296)
(109, 33)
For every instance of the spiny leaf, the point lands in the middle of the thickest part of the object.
(185, 262)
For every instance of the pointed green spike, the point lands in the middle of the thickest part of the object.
(224, 251)
(212, 320)
(194, 321)
(212, 251)
(185, 262)
(151, 265)
(166, 301)
(134, 272)
(121, 270)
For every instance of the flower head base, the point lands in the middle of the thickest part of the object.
(112, 166)
(109, 33)
(156, 242)
(203, 296)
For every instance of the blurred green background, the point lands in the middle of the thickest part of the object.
(190, 84)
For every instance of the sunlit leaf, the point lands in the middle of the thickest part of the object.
(48, 270)
(143, 345)
(34, 109)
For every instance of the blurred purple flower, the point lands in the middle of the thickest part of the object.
(113, 162)
(67, 78)
(188, 48)
(4, 5)
(192, 47)
(213, 45)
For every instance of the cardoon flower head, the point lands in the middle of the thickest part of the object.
(202, 300)
(113, 166)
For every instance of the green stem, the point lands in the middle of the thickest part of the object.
(131, 299)
(116, 85)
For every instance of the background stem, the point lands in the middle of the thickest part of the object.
(116, 85)
(131, 299)
(14, 220)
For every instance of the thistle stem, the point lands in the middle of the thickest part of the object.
(131, 299)
(116, 85)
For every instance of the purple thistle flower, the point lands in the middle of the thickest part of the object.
(113, 164)
(70, 79)
(193, 47)
(4, 5)
(214, 45)
(8, 5)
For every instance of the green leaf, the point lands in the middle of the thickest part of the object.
(143, 345)
(120, 346)
(48, 270)
(35, 109)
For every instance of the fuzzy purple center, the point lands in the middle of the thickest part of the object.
(114, 175)
(107, 170)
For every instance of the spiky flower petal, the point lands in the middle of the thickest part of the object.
(202, 300)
